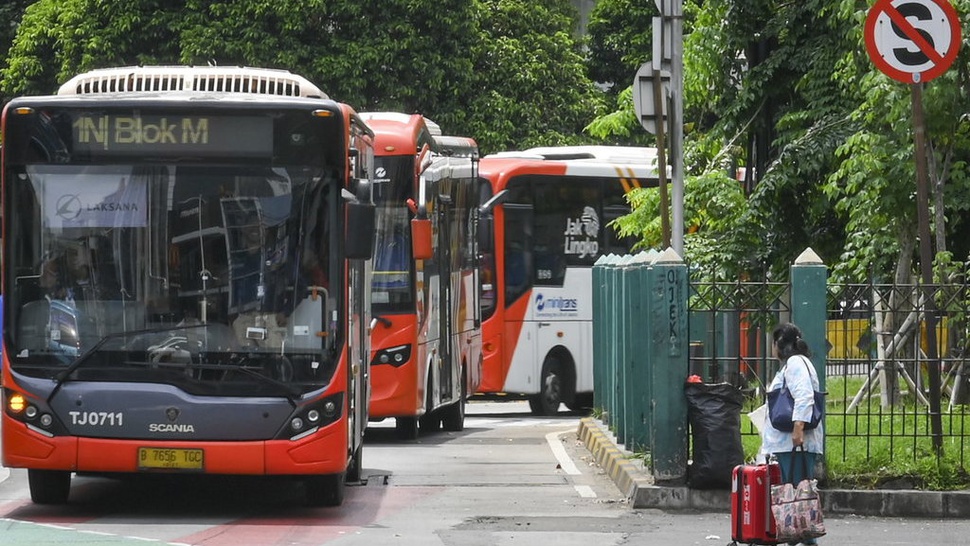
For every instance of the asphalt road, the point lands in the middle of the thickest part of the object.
(508, 479)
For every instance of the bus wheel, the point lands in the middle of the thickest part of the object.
(453, 419)
(326, 490)
(355, 468)
(49, 486)
(431, 420)
(582, 402)
(547, 401)
(406, 427)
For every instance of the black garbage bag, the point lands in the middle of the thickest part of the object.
(714, 412)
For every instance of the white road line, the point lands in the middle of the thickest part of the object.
(566, 464)
(555, 444)
(585, 491)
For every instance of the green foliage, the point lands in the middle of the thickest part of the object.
(508, 72)
(531, 87)
(619, 50)
(788, 92)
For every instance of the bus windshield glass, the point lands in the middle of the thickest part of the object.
(392, 249)
(210, 274)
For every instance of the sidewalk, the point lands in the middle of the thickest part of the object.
(640, 490)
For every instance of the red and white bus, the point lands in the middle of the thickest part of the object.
(186, 273)
(426, 335)
(548, 218)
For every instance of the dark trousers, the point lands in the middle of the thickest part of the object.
(793, 470)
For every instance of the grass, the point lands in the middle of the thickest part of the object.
(875, 447)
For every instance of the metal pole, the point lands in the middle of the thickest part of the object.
(660, 108)
(926, 265)
(677, 124)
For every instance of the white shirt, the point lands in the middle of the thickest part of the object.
(799, 375)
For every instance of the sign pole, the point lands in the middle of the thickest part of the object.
(659, 102)
(926, 264)
(912, 42)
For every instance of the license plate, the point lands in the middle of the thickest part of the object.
(150, 458)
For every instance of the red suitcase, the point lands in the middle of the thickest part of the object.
(751, 519)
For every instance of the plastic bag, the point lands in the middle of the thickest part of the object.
(714, 412)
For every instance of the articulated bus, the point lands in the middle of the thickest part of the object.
(547, 219)
(426, 339)
(186, 273)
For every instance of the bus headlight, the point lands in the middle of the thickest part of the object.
(307, 420)
(395, 356)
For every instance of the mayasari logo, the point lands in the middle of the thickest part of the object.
(556, 305)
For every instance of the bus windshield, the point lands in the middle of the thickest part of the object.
(392, 279)
(215, 276)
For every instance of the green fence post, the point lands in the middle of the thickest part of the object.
(620, 306)
(609, 374)
(639, 319)
(668, 357)
(600, 332)
(809, 306)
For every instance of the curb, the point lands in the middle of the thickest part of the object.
(641, 492)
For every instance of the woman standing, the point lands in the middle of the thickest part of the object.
(798, 374)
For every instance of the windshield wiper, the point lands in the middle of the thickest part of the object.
(64, 375)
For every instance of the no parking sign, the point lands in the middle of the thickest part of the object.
(912, 41)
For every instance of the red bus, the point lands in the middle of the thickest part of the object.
(426, 339)
(548, 215)
(186, 272)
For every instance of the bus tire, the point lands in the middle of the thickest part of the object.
(547, 401)
(325, 490)
(355, 467)
(582, 402)
(431, 420)
(49, 486)
(406, 427)
(453, 419)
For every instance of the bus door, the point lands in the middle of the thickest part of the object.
(446, 318)
(520, 359)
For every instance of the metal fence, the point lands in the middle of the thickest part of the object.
(876, 373)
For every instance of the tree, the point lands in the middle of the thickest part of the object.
(507, 72)
(530, 83)
(10, 12)
(787, 91)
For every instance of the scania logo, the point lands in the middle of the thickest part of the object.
(167, 427)
(172, 414)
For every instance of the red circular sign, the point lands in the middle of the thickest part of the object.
(912, 41)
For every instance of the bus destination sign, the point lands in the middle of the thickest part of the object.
(172, 134)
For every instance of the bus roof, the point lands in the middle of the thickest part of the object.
(621, 162)
(399, 118)
(204, 79)
(602, 154)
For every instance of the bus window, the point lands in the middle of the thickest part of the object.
(518, 251)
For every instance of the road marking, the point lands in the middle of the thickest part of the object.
(555, 444)
(566, 464)
(585, 491)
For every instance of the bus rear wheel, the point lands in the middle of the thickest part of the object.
(406, 427)
(49, 486)
(547, 401)
(325, 490)
(453, 419)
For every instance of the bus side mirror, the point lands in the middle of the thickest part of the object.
(421, 247)
(486, 234)
(486, 221)
(361, 225)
